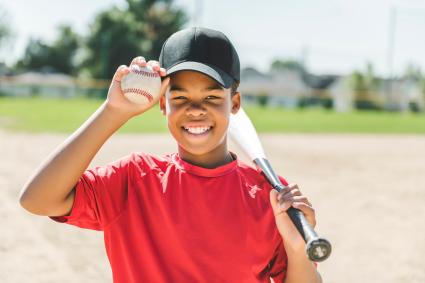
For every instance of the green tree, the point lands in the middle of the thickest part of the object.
(364, 85)
(287, 65)
(36, 56)
(371, 81)
(64, 50)
(358, 81)
(118, 35)
(413, 71)
(59, 56)
(4, 29)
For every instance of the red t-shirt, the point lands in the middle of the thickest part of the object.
(165, 220)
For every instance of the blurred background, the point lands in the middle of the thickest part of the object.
(336, 89)
(329, 57)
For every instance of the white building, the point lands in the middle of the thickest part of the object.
(283, 87)
(33, 83)
(342, 95)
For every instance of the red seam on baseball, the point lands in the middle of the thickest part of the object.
(144, 73)
(139, 91)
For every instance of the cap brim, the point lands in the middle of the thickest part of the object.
(215, 73)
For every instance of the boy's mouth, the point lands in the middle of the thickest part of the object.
(197, 130)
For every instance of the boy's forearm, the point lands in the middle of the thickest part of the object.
(300, 269)
(56, 177)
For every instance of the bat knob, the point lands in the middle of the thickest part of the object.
(318, 249)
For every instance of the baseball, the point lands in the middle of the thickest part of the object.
(142, 85)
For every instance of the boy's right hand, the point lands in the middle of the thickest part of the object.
(116, 99)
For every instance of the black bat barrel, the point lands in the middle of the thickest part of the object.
(317, 249)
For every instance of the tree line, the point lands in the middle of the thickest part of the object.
(115, 36)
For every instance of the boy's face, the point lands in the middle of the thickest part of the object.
(198, 110)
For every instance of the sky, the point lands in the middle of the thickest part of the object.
(329, 36)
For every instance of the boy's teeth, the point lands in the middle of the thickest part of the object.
(197, 130)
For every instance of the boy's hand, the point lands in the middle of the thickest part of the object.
(116, 98)
(282, 201)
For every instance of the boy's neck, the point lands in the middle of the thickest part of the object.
(210, 160)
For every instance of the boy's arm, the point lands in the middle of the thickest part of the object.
(50, 191)
(299, 268)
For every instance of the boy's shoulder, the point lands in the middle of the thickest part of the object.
(135, 161)
(248, 170)
(140, 156)
(144, 159)
(150, 158)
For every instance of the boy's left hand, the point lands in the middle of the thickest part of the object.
(282, 201)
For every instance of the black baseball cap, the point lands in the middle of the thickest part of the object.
(203, 50)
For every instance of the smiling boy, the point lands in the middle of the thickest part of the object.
(198, 215)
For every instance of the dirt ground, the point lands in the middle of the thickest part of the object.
(369, 193)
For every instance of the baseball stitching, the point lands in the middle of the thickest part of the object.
(142, 92)
(144, 73)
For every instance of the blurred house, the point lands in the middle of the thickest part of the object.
(4, 70)
(401, 94)
(319, 90)
(34, 83)
(51, 85)
(253, 84)
(288, 88)
(415, 95)
(295, 88)
(283, 87)
(342, 94)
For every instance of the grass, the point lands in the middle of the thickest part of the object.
(325, 121)
(66, 115)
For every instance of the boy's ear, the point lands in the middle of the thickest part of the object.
(236, 102)
(162, 98)
(162, 104)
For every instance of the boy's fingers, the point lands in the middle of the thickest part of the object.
(304, 207)
(139, 60)
(120, 73)
(162, 72)
(154, 64)
(302, 199)
(279, 206)
(289, 193)
(291, 196)
(293, 186)
(295, 199)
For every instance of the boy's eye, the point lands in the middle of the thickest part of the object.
(179, 97)
(211, 97)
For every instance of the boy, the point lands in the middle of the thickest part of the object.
(199, 215)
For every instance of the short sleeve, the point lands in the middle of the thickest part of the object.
(100, 195)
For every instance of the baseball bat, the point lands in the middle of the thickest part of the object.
(243, 134)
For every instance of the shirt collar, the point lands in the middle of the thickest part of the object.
(205, 172)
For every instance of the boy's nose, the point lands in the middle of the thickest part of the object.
(195, 110)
